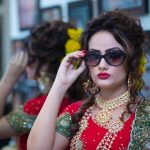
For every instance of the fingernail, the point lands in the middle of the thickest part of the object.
(84, 51)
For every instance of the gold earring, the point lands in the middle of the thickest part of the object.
(44, 82)
(90, 87)
(129, 84)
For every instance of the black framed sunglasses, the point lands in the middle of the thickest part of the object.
(113, 56)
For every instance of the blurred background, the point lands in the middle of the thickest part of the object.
(18, 17)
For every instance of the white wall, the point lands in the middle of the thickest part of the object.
(14, 18)
(14, 25)
(5, 33)
(15, 32)
(145, 20)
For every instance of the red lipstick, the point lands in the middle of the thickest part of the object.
(103, 75)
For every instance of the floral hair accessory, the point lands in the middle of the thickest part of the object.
(73, 44)
(143, 61)
(142, 64)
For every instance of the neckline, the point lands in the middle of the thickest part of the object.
(130, 119)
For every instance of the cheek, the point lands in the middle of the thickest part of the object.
(120, 74)
(93, 73)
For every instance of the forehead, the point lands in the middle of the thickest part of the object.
(103, 40)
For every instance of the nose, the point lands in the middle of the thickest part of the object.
(103, 64)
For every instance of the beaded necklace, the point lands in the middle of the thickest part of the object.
(111, 134)
(104, 116)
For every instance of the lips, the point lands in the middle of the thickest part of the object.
(103, 75)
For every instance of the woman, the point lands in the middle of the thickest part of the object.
(114, 56)
(46, 47)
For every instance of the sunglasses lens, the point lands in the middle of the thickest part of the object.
(92, 58)
(115, 57)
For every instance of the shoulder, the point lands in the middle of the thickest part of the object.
(143, 111)
(72, 108)
(20, 121)
(64, 121)
(144, 107)
(33, 106)
(140, 130)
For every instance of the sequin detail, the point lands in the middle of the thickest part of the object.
(20, 121)
(76, 142)
(140, 137)
(63, 125)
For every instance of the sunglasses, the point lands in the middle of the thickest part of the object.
(113, 56)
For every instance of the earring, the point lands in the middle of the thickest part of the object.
(44, 82)
(90, 87)
(128, 83)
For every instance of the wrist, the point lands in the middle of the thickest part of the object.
(7, 80)
(60, 86)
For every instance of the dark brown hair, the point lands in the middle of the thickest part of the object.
(46, 45)
(128, 32)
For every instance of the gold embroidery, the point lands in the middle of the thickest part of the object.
(63, 124)
(140, 137)
(107, 141)
(76, 142)
(20, 121)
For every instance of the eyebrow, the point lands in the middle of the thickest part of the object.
(107, 50)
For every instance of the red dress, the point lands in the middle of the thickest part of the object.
(93, 133)
(29, 110)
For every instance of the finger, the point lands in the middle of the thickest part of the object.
(76, 55)
(25, 59)
(70, 67)
(81, 68)
(13, 58)
(20, 57)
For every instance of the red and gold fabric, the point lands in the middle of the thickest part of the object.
(23, 118)
(92, 136)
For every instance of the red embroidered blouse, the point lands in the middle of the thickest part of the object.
(32, 108)
(93, 134)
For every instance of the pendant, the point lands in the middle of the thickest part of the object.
(103, 117)
(116, 126)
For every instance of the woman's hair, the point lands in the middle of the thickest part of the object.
(46, 45)
(128, 32)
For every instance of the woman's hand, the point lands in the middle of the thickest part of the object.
(16, 66)
(67, 72)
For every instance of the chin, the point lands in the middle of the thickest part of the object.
(105, 85)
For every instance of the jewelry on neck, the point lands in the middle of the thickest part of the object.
(104, 116)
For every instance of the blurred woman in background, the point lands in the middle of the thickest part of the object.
(45, 47)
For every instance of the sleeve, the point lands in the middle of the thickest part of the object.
(63, 124)
(33, 106)
(20, 121)
(140, 135)
(64, 121)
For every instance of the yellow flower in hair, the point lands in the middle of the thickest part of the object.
(142, 64)
(75, 34)
(73, 44)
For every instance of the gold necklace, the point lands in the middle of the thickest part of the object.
(106, 143)
(104, 116)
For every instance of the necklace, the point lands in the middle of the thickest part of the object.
(77, 143)
(104, 116)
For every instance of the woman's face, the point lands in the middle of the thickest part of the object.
(105, 75)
